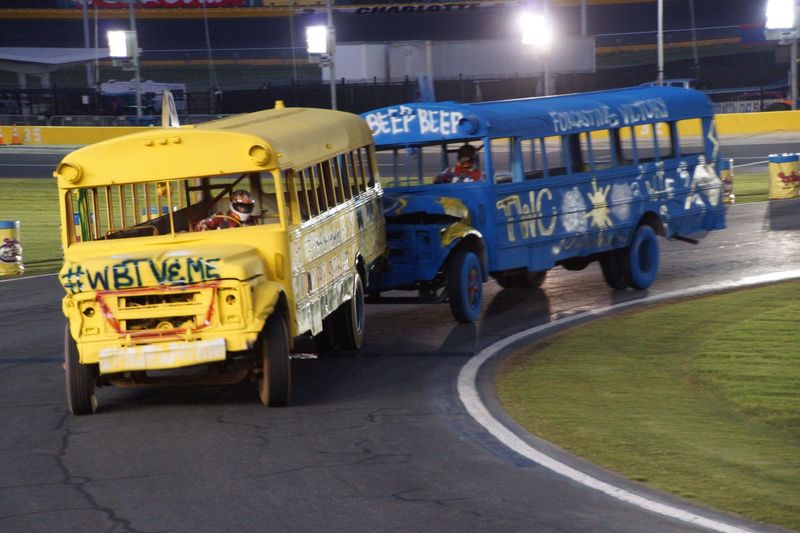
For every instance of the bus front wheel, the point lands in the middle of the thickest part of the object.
(465, 286)
(81, 397)
(642, 258)
(274, 383)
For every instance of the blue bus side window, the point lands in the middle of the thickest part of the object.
(502, 154)
(555, 157)
(626, 146)
(579, 152)
(602, 152)
(664, 141)
(690, 133)
(533, 156)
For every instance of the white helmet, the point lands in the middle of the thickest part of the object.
(242, 204)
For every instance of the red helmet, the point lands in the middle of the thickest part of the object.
(242, 204)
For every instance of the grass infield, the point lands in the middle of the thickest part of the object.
(34, 202)
(699, 398)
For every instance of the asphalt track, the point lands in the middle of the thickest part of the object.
(378, 441)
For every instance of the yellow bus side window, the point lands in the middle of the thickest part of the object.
(315, 172)
(303, 195)
(352, 175)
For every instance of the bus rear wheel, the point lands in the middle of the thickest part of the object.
(81, 397)
(642, 258)
(612, 262)
(349, 320)
(465, 286)
(274, 383)
(634, 266)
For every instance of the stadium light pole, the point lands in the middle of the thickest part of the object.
(782, 25)
(137, 77)
(660, 77)
(321, 46)
(126, 45)
(536, 32)
(331, 50)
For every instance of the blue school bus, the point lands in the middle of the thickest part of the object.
(563, 180)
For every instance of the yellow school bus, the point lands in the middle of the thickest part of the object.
(197, 255)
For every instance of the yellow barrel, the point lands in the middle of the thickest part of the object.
(726, 175)
(784, 176)
(10, 249)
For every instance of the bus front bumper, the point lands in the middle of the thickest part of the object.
(161, 356)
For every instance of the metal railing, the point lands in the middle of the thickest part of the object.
(24, 120)
(99, 121)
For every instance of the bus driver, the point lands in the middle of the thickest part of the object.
(239, 214)
(464, 170)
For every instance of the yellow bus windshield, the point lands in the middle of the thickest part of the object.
(164, 207)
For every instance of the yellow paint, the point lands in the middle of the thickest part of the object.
(454, 207)
(456, 232)
(784, 180)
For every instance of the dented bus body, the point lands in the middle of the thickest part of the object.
(151, 299)
(566, 180)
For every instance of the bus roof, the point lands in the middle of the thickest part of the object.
(252, 142)
(420, 123)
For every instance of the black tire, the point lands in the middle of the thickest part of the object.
(326, 340)
(81, 397)
(349, 319)
(274, 382)
(521, 279)
(612, 263)
(635, 266)
(642, 258)
(465, 286)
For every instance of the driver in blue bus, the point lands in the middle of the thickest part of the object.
(466, 168)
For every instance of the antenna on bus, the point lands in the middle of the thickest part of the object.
(169, 113)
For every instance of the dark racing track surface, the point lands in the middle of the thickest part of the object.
(373, 442)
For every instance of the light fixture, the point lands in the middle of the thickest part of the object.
(535, 29)
(780, 14)
(317, 39)
(121, 43)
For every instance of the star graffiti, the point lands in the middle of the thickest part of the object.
(600, 214)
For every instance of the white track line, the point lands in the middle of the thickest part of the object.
(468, 393)
(26, 277)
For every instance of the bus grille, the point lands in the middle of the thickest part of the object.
(169, 312)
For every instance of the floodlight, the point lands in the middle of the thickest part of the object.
(317, 39)
(780, 14)
(121, 43)
(535, 29)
